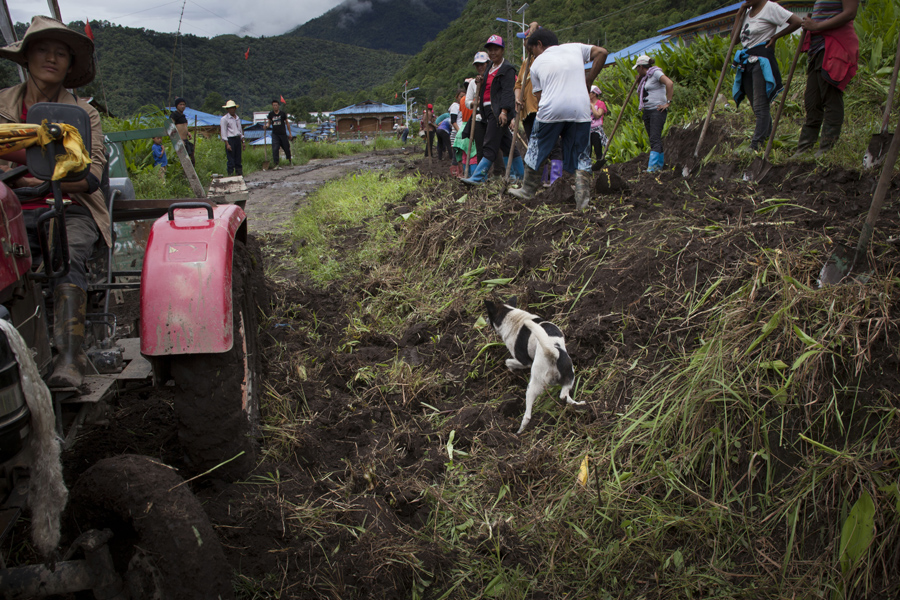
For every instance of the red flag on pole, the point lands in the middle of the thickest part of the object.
(87, 29)
(247, 53)
(283, 101)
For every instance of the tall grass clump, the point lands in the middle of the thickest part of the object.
(760, 433)
(340, 204)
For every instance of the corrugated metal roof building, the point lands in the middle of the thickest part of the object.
(366, 118)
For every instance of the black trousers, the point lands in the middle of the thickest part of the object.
(654, 121)
(754, 85)
(233, 156)
(597, 145)
(824, 105)
(497, 139)
(280, 142)
(443, 142)
(480, 128)
(189, 146)
(82, 234)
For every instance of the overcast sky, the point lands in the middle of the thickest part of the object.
(206, 18)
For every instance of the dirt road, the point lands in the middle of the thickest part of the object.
(275, 195)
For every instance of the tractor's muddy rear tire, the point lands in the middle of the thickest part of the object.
(162, 544)
(217, 395)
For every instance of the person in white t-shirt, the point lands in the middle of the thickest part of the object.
(758, 77)
(560, 85)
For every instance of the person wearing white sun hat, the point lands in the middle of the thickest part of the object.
(233, 136)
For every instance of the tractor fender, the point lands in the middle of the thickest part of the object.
(186, 304)
(15, 253)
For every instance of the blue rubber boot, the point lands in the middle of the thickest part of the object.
(556, 170)
(480, 173)
(518, 169)
(656, 162)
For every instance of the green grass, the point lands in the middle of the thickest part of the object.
(738, 463)
(337, 205)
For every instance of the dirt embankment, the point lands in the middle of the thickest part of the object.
(368, 468)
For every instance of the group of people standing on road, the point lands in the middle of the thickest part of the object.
(562, 112)
(232, 133)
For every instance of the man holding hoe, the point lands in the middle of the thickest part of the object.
(564, 113)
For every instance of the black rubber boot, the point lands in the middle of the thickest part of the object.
(69, 307)
(529, 184)
(582, 189)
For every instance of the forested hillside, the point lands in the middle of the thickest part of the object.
(320, 74)
(401, 26)
(444, 63)
(136, 66)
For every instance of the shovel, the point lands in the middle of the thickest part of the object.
(619, 118)
(735, 30)
(761, 166)
(514, 125)
(875, 152)
(843, 260)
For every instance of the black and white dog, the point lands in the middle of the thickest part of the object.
(537, 344)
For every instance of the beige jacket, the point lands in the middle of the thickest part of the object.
(523, 87)
(11, 111)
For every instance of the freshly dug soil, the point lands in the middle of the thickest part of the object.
(373, 467)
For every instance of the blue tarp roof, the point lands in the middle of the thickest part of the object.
(370, 107)
(636, 49)
(703, 17)
(264, 140)
(204, 119)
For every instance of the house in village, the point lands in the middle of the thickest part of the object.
(367, 119)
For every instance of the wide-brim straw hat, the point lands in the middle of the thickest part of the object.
(81, 71)
(230, 104)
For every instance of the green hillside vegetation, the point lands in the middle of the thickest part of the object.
(444, 63)
(384, 24)
(285, 65)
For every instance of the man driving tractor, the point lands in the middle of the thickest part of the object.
(57, 59)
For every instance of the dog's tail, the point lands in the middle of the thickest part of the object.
(545, 344)
(557, 355)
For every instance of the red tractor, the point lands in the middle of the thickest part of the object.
(198, 330)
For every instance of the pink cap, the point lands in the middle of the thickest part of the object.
(495, 40)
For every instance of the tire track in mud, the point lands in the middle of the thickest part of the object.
(276, 195)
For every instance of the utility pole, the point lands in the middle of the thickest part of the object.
(509, 33)
(53, 5)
